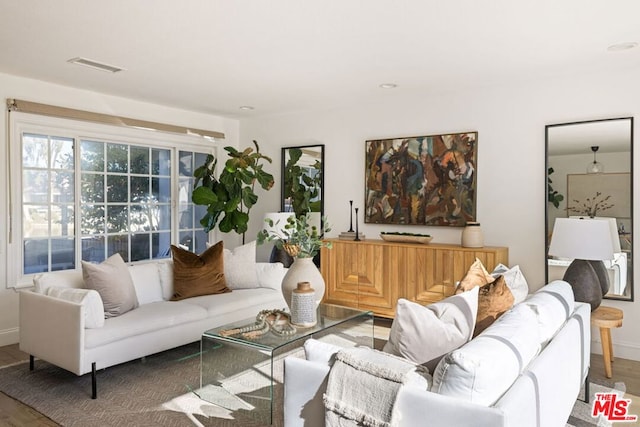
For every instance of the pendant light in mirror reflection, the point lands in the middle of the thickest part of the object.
(595, 166)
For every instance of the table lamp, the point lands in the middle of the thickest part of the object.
(279, 220)
(588, 242)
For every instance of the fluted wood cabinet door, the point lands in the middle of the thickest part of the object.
(374, 274)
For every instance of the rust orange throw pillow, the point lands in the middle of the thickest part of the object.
(494, 299)
(494, 296)
(195, 275)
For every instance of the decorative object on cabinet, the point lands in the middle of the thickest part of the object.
(472, 236)
(567, 152)
(391, 236)
(350, 234)
(373, 274)
(424, 180)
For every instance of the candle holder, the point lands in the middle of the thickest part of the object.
(357, 239)
(350, 216)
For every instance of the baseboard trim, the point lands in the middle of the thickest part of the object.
(623, 349)
(9, 336)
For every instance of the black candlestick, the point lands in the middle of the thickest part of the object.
(350, 216)
(357, 239)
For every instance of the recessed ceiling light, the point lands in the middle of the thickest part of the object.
(95, 64)
(246, 107)
(622, 46)
(388, 85)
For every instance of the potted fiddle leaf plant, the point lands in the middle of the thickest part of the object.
(230, 196)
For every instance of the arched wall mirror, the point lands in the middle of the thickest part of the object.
(589, 171)
(303, 181)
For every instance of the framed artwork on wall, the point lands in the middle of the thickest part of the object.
(422, 180)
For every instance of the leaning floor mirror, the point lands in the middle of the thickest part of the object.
(589, 174)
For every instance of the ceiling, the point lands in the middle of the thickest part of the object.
(279, 56)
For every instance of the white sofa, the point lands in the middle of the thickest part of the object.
(75, 336)
(516, 373)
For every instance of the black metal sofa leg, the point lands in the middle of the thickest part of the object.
(31, 362)
(94, 387)
(586, 389)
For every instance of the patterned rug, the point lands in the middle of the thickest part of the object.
(163, 389)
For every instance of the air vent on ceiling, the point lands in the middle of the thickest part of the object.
(95, 64)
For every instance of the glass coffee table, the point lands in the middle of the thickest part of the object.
(245, 375)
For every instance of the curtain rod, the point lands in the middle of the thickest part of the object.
(22, 106)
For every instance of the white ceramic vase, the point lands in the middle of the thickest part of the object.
(472, 236)
(302, 270)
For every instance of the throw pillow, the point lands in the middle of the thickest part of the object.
(270, 275)
(423, 334)
(515, 281)
(476, 276)
(493, 300)
(111, 279)
(240, 267)
(195, 275)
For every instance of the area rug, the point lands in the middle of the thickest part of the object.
(163, 390)
(159, 390)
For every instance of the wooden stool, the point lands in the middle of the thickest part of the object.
(606, 318)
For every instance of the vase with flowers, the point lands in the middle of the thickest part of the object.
(301, 241)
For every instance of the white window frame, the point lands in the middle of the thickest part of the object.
(21, 123)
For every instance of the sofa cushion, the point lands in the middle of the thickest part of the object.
(553, 304)
(195, 275)
(423, 334)
(240, 266)
(493, 300)
(484, 368)
(146, 281)
(113, 282)
(219, 304)
(90, 299)
(515, 281)
(270, 275)
(144, 319)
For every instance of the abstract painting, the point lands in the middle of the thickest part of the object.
(423, 180)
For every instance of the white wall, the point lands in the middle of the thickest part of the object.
(38, 91)
(511, 123)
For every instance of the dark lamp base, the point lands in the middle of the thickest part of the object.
(585, 281)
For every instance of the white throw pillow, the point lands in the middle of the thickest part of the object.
(423, 334)
(553, 304)
(240, 267)
(320, 352)
(515, 281)
(113, 282)
(90, 299)
(165, 270)
(270, 275)
(484, 368)
(146, 281)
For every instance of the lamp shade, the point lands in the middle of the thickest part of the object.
(279, 220)
(588, 239)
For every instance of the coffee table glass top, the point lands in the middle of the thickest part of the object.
(327, 315)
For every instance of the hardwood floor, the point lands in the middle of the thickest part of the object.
(15, 414)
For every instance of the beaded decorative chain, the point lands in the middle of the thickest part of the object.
(276, 320)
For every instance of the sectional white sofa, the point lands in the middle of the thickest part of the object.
(525, 370)
(64, 324)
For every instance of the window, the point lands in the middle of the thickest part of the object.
(86, 195)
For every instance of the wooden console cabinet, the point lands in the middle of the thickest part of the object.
(373, 274)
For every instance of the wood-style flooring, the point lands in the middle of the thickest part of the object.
(15, 414)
